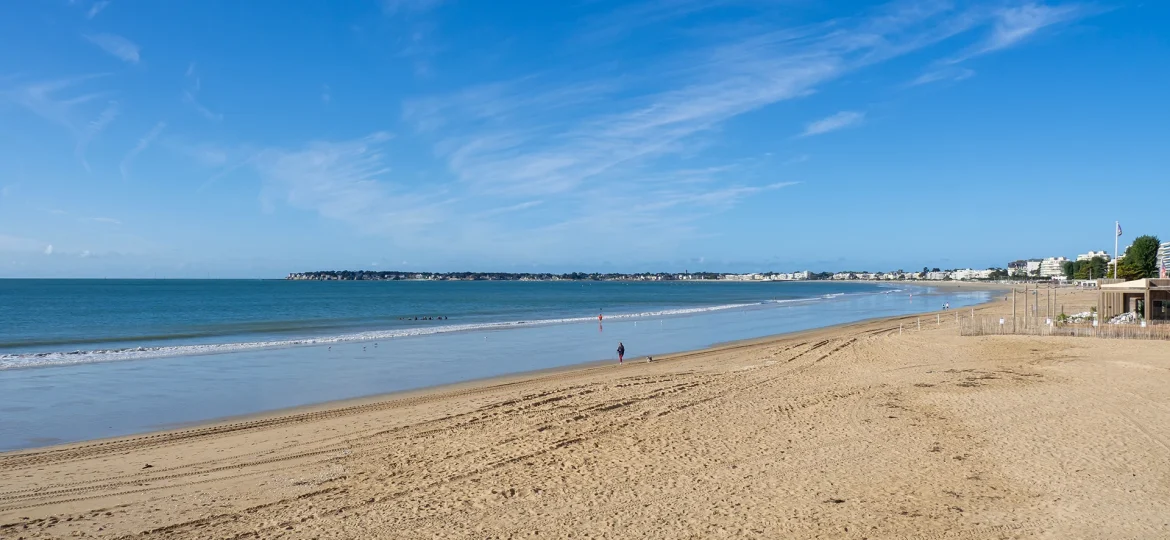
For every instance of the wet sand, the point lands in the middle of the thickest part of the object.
(869, 430)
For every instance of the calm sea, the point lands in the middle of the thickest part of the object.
(81, 359)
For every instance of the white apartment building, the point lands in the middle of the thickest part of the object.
(1089, 256)
(743, 277)
(1164, 256)
(1052, 267)
(968, 274)
(794, 276)
(937, 276)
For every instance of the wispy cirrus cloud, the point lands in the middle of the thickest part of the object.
(1008, 26)
(58, 101)
(625, 19)
(142, 145)
(949, 73)
(615, 146)
(600, 146)
(116, 46)
(96, 8)
(191, 95)
(66, 103)
(93, 129)
(348, 181)
(610, 148)
(509, 209)
(108, 221)
(600, 129)
(841, 120)
(394, 7)
(1015, 24)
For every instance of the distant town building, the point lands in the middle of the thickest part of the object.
(969, 274)
(1164, 255)
(1028, 267)
(1052, 267)
(1090, 255)
(937, 276)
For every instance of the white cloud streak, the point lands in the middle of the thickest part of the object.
(110, 221)
(835, 122)
(93, 129)
(347, 181)
(509, 209)
(96, 8)
(491, 143)
(612, 153)
(116, 46)
(1014, 25)
(56, 101)
(142, 145)
(395, 7)
(944, 74)
(191, 95)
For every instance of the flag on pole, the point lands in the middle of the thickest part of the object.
(1119, 229)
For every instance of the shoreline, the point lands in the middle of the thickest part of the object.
(481, 384)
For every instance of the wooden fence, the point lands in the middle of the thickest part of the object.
(994, 326)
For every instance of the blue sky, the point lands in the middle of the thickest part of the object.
(241, 139)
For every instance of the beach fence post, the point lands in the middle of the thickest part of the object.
(938, 319)
(1013, 310)
(920, 323)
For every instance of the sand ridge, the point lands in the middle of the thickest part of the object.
(869, 430)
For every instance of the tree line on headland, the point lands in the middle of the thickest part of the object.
(1140, 260)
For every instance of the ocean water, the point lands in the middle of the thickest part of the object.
(83, 359)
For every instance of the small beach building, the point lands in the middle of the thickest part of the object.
(1148, 297)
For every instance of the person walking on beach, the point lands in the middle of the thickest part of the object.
(621, 351)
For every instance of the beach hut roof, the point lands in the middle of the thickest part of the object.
(1139, 284)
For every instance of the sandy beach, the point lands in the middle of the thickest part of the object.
(894, 428)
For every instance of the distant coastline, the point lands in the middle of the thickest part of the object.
(397, 275)
(361, 275)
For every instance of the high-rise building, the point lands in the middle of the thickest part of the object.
(1089, 256)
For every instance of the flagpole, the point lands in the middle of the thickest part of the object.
(1116, 224)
